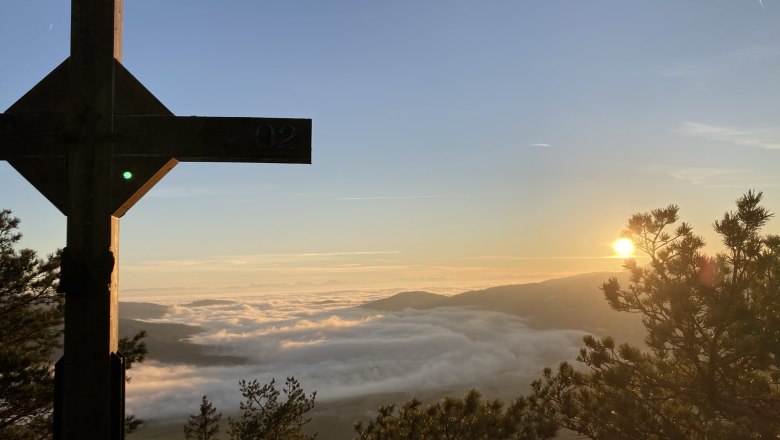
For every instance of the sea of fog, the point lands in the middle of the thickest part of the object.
(343, 351)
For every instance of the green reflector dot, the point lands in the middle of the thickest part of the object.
(127, 175)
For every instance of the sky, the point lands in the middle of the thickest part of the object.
(455, 143)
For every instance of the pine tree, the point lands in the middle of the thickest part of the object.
(31, 325)
(30, 330)
(265, 417)
(712, 368)
(469, 418)
(205, 425)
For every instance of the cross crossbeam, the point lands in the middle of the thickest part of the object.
(93, 140)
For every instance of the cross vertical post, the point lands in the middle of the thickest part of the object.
(90, 259)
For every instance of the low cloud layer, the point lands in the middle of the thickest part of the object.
(342, 351)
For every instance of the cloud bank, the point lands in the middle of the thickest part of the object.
(346, 352)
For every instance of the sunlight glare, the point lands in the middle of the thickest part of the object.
(623, 247)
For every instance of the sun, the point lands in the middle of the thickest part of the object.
(623, 247)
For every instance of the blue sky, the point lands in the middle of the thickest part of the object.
(455, 143)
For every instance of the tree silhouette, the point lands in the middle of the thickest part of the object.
(31, 325)
(134, 350)
(203, 426)
(265, 417)
(713, 333)
(30, 330)
(451, 418)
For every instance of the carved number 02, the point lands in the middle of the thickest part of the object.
(266, 136)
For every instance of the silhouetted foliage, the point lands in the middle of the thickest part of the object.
(203, 426)
(133, 349)
(31, 325)
(713, 333)
(265, 417)
(30, 330)
(451, 418)
(132, 423)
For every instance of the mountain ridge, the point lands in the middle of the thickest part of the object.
(573, 302)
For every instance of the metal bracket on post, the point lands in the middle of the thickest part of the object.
(117, 396)
(76, 275)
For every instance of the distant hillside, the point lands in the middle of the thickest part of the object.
(407, 300)
(572, 302)
(141, 310)
(168, 342)
(209, 302)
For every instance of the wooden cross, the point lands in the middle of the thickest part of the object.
(93, 140)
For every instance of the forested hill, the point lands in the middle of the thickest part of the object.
(572, 302)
